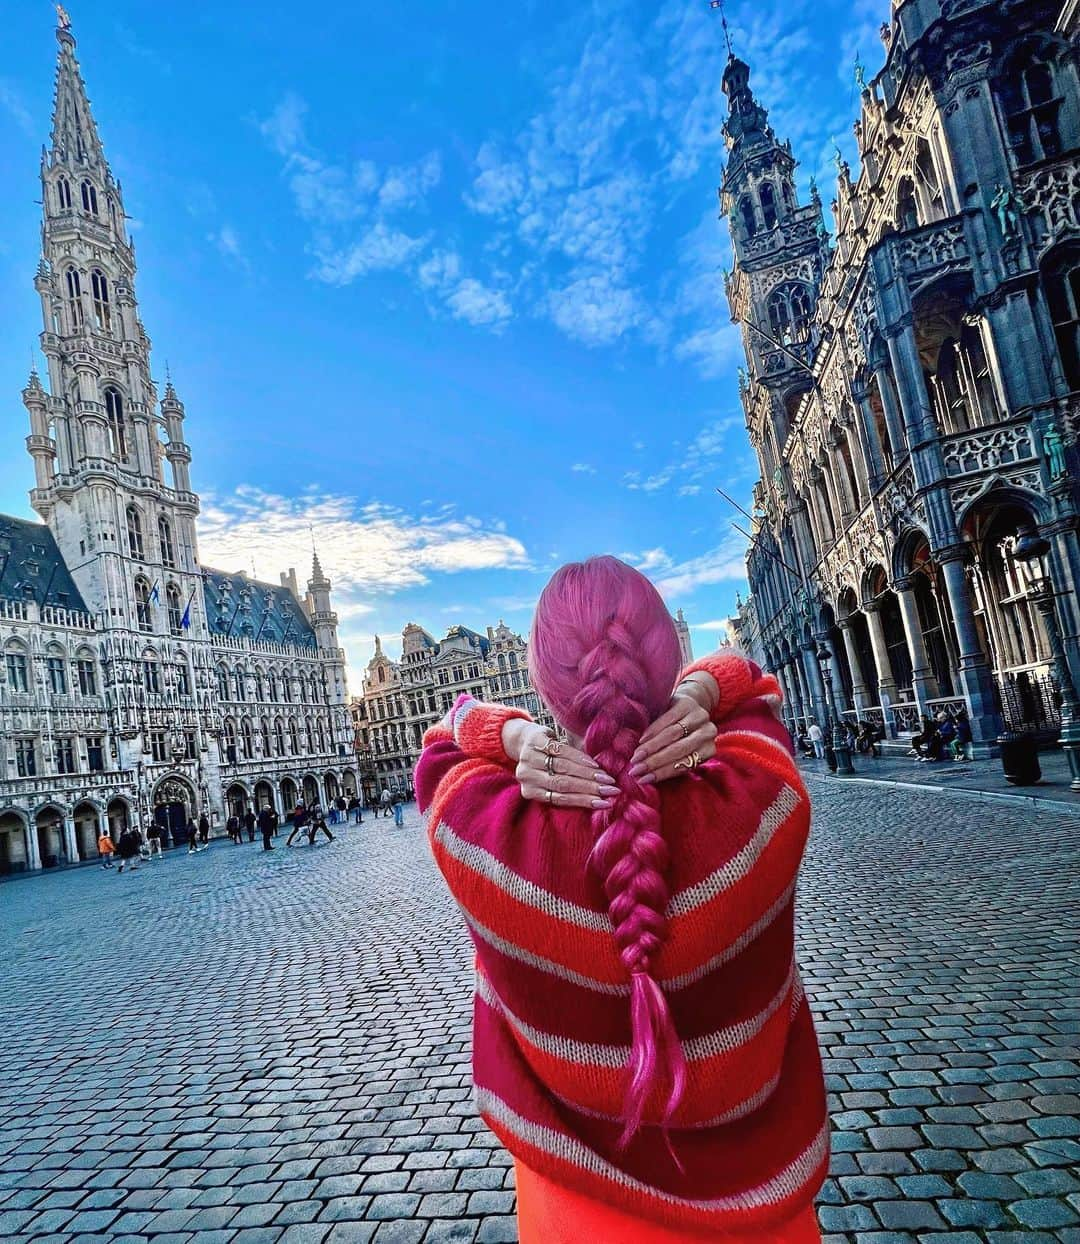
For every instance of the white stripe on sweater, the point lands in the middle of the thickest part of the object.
(558, 970)
(742, 862)
(481, 861)
(569, 1149)
(613, 1057)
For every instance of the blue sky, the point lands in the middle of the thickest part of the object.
(443, 279)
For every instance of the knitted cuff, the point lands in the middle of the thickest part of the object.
(478, 729)
(737, 680)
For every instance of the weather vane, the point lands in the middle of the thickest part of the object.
(63, 20)
(860, 73)
(719, 4)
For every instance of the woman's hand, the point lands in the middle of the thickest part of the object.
(553, 772)
(685, 728)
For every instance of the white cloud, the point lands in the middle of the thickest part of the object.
(380, 248)
(689, 490)
(407, 184)
(227, 242)
(594, 310)
(717, 625)
(284, 127)
(477, 304)
(722, 564)
(583, 468)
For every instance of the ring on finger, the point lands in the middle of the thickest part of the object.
(685, 729)
(551, 796)
(549, 764)
(552, 747)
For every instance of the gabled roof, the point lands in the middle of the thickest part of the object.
(31, 567)
(237, 605)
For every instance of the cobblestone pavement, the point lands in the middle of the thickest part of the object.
(239, 1048)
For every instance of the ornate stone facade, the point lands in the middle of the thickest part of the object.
(135, 682)
(913, 380)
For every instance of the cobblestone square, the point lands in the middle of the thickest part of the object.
(245, 1048)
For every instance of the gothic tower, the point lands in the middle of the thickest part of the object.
(99, 441)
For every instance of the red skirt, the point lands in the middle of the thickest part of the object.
(551, 1214)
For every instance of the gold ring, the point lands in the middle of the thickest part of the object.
(551, 796)
(552, 747)
(683, 728)
(549, 765)
(690, 762)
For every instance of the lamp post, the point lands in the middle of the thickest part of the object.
(837, 733)
(1033, 550)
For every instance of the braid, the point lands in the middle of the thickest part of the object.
(631, 859)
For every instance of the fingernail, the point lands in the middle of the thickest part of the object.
(637, 769)
(602, 803)
(605, 779)
(635, 759)
(608, 789)
(646, 779)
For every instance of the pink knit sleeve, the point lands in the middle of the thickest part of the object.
(738, 679)
(476, 728)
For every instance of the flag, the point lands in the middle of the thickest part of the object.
(185, 621)
(155, 595)
(716, 4)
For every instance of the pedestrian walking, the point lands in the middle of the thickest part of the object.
(299, 823)
(204, 829)
(399, 809)
(817, 740)
(153, 840)
(192, 836)
(340, 807)
(316, 825)
(232, 828)
(710, 1120)
(266, 828)
(385, 800)
(106, 849)
(249, 824)
(356, 810)
(128, 849)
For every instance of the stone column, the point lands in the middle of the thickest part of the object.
(859, 690)
(33, 851)
(812, 670)
(893, 419)
(923, 681)
(868, 437)
(71, 846)
(914, 400)
(973, 670)
(886, 681)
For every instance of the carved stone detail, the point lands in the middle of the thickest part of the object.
(1052, 196)
(988, 450)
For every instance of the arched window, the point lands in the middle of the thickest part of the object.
(114, 414)
(17, 666)
(286, 688)
(260, 687)
(135, 532)
(272, 687)
(165, 540)
(74, 297)
(294, 738)
(99, 289)
(1063, 295)
(264, 730)
(89, 198)
(513, 660)
(303, 689)
(907, 211)
(746, 214)
(239, 684)
(279, 737)
(928, 184)
(142, 604)
(1031, 103)
(183, 678)
(174, 609)
(789, 311)
(63, 194)
(56, 670)
(768, 204)
(228, 734)
(223, 683)
(961, 385)
(151, 671)
(502, 662)
(247, 739)
(86, 672)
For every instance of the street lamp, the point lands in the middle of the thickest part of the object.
(837, 733)
(1033, 550)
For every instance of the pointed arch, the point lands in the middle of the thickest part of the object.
(142, 603)
(63, 194)
(73, 284)
(136, 544)
(99, 290)
(89, 197)
(165, 543)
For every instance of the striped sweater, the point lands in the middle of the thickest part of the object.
(552, 1016)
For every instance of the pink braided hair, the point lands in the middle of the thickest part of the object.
(604, 656)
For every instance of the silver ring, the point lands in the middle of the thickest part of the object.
(551, 796)
(549, 765)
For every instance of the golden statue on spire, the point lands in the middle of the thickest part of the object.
(63, 18)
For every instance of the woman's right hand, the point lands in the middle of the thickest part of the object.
(550, 771)
(685, 729)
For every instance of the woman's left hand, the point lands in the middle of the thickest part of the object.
(550, 771)
(684, 729)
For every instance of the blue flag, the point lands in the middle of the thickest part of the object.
(185, 621)
(155, 595)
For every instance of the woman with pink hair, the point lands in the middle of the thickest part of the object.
(641, 1041)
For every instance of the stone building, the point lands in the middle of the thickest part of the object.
(135, 682)
(401, 699)
(912, 381)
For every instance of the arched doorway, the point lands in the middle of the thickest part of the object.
(49, 827)
(843, 689)
(118, 816)
(311, 790)
(87, 826)
(264, 796)
(174, 804)
(14, 847)
(236, 800)
(897, 657)
(348, 779)
(289, 797)
(330, 785)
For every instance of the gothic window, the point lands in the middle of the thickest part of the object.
(294, 738)
(907, 210)
(928, 184)
(788, 195)
(99, 288)
(746, 214)
(74, 297)
(286, 688)
(279, 737)
(89, 198)
(174, 609)
(1063, 294)
(851, 476)
(165, 540)
(183, 678)
(86, 675)
(789, 313)
(229, 736)
(151, 672)
(56, 672)
(63, 194)
(135, 533)
(1030, 103)
(114, 415)
(768, 204)
(272, 687)
(961, 385)
(223, 683)
(239, 684)
(142, 604)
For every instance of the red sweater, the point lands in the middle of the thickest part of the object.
(552, 1015)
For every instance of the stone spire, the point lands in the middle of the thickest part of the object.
(75, 139)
